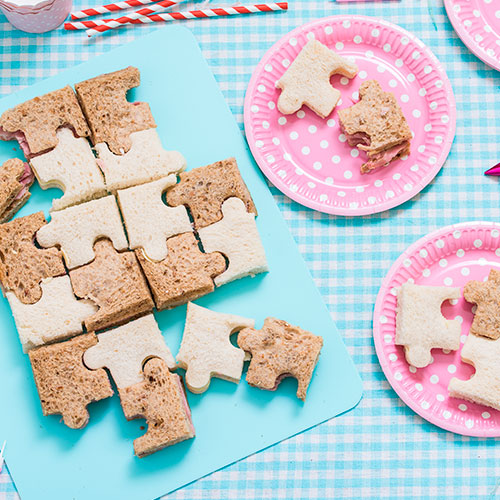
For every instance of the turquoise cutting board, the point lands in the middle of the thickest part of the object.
(49, 461)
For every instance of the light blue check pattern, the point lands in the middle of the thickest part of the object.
(381, 449)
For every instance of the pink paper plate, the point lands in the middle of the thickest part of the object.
(451, 256)
(307, 157)
(477, 23)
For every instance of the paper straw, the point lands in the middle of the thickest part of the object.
(134, 18)
(110, 7)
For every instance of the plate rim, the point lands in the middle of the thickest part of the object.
(467, 40)
(346, 211)
(383, 290)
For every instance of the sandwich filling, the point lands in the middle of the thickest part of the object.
(16, 136)
(26, 180)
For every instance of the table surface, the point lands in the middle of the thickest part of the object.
(381, 449)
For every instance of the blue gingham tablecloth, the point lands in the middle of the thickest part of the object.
(381, 449)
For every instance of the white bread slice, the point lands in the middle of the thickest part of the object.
(145, 161)
(70, 166)
(125, 350)
(56, 316)
(237, 237)
(206, 350)
(76, 229)
(484, 386)
(148, 220)
(420, 326)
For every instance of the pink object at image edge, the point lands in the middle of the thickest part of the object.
(493, 170)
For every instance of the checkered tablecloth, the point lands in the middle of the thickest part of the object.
(381, 449)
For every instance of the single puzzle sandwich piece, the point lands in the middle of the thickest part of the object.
(148, 220)
(145, 161)
(22, 264)
(184, 275)
(280, 350)
(34, 123)
(113, 282)
(420, 326)
(111, 117)
(486, 295)
(71, 167)
(65, 386)
(205, 189)
(161, 400)
(307, 80)
(125, 350)
(484, 386)
(76, 229)
(56, 316)
(16, 179)
(236, 236)
(377, 126)
(206, 350)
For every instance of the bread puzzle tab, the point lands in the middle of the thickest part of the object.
(124, 350)
(145, 161)
(65, 386)
(236, 236)
(71, 167)
(280, 350)
(420, 326)
(161, 400)
(149, 221)
(206, 350)
(204, 190)
(56, 316)
(16, 179)
(484, 386)
(376, 125)
(34, 123)
(76, 229)
(307, 80)
(184, 275)
(114, 282)
(111, 117)
(23, 266)
(486, 295)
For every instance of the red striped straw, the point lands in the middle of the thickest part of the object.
(97, 27)
(110, 7)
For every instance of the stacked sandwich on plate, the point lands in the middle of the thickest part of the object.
(113, 251)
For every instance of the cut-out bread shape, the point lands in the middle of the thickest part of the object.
(113, 282)
(161, 400)
(145, 161)
(56, 316)
(184, 275)
(307, 80)
(484, 386)
(376, 125)
(71, 167)
(237, 237)
(23, 265)
(65, 386)
(76, 229)
(16, 179)
(206, 350)
(111, 117)
(204, 190)
(148, 220)
(280, 350)
(486, 295)
(124, 350)
(34, 123)
(420, 326)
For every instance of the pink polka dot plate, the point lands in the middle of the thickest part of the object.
(308, 158)
(477, 23)
(451, 256)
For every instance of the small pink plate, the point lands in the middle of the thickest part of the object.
(477, 23)
(451, 256)
(308, 158)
